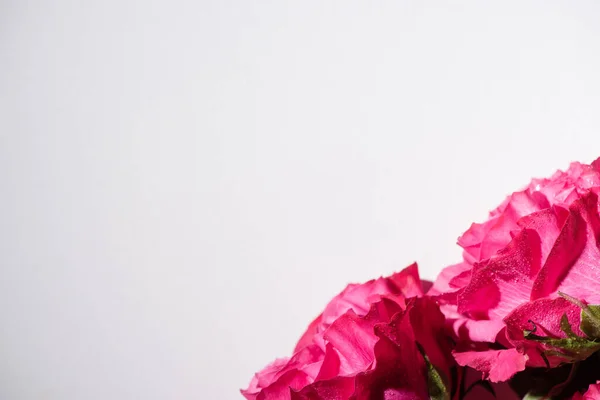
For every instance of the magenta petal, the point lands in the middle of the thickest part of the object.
(354, 339)
(496, 365)
(567, 248)
(360, 297)
(483, 241)
(548, 223)
(408, 281)
(543, 315)
(281, 389)
(330, 368)
(340, 388)
(505, 282)
(546, 315)
(576, 276)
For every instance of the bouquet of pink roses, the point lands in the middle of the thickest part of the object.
(518, 317)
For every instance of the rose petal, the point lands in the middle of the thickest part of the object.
(576, 276)
(340, 388)
(496, 365)
(505, 281)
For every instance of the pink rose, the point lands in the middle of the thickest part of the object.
(381, 339)
(527, 276)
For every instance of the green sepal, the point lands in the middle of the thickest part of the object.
(590, 321)
(578, 345)
(565, 326)
(590, 316)
(572, 348)
(436, 385)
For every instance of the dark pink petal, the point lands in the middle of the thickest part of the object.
(496, 365)
(340, 388)
(400, 370)
(427, 322)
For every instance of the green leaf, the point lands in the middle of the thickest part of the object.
(574, 344)
(590, 321)
(435, 383)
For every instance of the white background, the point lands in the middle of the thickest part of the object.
(183, 186)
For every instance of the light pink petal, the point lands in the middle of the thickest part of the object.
(496, 365)
(308, 336)
(264, 378)
(471, 240)
(469, 329)
(443, 281)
